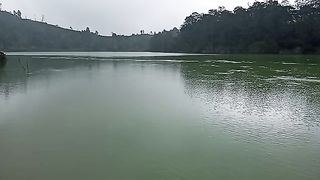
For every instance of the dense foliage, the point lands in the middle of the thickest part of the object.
(264, 27)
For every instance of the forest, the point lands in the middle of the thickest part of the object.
(264, 27)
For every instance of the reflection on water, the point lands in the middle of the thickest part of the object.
(262, 104)
(160, 117)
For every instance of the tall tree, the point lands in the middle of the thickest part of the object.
(19, 13)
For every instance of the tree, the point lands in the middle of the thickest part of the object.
(193, 18)
(87, 30)
(19, 13)
(285, 3)
(221, 8)
(239, 10)
(310, 3)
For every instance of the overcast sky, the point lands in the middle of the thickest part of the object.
(120, 16)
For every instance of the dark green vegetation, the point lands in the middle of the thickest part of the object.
(264, 27)
(17, 34)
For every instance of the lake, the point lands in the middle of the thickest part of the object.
(149, 116)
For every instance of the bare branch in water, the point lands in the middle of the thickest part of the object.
(24, 67)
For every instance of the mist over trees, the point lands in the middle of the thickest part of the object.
(18, 34)
(263, 27)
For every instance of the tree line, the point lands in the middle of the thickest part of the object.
(263, 27)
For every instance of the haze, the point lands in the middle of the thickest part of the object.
(120, 16)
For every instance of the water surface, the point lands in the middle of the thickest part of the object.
(159, 116)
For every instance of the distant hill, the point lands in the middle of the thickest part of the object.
(18, 34)
(267, 27)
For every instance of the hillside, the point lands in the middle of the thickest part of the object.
(267, 27)
(17, 34)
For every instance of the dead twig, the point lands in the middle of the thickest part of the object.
(24, 67)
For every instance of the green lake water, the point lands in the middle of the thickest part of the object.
(150, 116)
